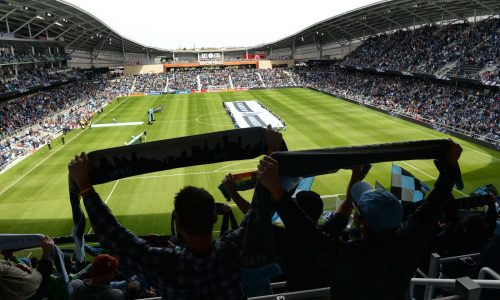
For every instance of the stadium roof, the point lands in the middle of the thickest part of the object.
(66, 23)
(383, 16)
(78, 29)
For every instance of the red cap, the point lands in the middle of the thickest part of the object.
(103, 265)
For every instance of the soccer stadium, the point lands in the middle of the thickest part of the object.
(358, 158)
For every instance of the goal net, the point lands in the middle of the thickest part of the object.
(217, 88)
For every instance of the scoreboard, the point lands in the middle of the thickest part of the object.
(211, 58)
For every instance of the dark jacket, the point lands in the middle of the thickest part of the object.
(379, 266)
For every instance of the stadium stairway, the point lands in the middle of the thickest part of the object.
(488, 69)
(446, 68)
(166, 85)
(132, 87)
(260, 79)
(291, 78)
(198, 80)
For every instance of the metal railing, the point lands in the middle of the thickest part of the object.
(322, 293)
(465, 287)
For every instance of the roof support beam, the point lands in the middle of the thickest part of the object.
(102, 44)
(327, 30)
(7, 14)
(41, 31)
(375, 30)
(418, 16)
(83, 43)
(480, 3)
(72, 42)
(25, 23)
(392, 21)
(345, 32)
(62, 33)
(448, 11)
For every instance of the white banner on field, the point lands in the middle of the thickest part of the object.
(250, 113)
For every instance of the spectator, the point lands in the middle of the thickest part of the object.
(204, 269)
(490, 258)
(302, 272)
(98, 286)
(381, 264)
(19, 281)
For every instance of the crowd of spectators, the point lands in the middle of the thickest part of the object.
(151, 82)
(32, 78)
(7, 58)
(214, 78)
(183, 80)
(20, 145)
(45, 114)
(222, 78)
(491, 76)
(473, 110)
(429, 48)
(245, 78)
(276, 77)
(121, 84)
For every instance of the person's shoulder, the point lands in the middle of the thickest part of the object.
(115, 294)
(76, 283)
(229, 239)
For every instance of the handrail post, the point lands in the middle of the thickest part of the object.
(434, 264)
(467, 289)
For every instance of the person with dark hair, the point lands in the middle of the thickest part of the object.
(380, 264)
(301, 271)
(311, 204)
(194, 212)
(204, 269)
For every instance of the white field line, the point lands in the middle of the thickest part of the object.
(428, 175)
(107, 198)
(54, 152)
(192, 173)
(233, 164)
(331, 196)
(393, 119)
(116, 124)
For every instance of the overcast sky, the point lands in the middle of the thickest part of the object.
(204, 23)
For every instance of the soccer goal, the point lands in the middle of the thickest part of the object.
(217, 88)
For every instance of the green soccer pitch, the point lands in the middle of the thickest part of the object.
(34, 193)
